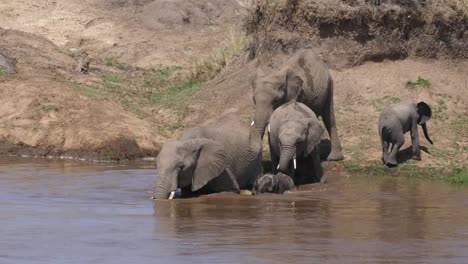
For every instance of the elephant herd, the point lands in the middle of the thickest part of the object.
(227, 156)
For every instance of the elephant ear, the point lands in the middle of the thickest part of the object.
(258, 74)
(424, 113)
(293, 85)
(211, 162)
(315, 132)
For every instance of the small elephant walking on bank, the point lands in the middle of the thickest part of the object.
(294, 134)
(305, 78)
(395, 121)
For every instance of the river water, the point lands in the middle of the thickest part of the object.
(71, 212)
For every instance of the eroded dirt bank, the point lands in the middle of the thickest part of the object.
(136, 93)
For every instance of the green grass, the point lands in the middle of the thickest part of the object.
(161, 78)
(109, 155)
(3, 71)
(90, 92)
(420, 82)
(380, 103)
(451, 174)
(50, 108)
(112, 79)
(176, 94)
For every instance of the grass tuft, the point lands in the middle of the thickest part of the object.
(420, 82)
(90, 92)
(220, 57)
(3, 71)
(176, 93)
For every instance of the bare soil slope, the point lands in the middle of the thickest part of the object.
(42, 113)
(143, 33)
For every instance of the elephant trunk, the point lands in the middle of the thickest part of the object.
(262, 117)
(165, 187)
(287, 155)
(426, 134)
(161, 192)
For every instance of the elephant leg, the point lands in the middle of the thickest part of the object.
(318, 175)
(235, 185)
(336, 152)
(396, 145)
(385, 145)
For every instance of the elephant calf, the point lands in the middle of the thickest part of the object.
(294, 134)
(398, 119)
(269, 183)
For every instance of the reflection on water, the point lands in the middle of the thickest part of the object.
(68, 212)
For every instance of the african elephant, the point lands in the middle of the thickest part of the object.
(224, 156)
(304, 78)
(277, 183)
(398, 119)
(294, 135)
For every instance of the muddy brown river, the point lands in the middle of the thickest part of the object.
(71, 212)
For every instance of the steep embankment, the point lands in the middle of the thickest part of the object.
(43, 112)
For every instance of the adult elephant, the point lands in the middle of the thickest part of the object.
(225, 156)
(304, 78)
(294, 134)
(398, 119)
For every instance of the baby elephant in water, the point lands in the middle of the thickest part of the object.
(395, 121)
(269, 183)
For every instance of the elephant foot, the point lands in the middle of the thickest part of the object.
(335, 155)
(391, 163)
(416, 157)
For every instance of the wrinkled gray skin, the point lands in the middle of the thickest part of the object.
(398, 119)
(294, 133)
(223, 157)
(278, 183)
(304, 78)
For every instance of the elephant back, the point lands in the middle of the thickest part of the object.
(318, 84)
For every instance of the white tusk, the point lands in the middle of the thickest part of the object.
(277, 167)
(251, 124)
(294, 163)
(268, 128)
(171, 196)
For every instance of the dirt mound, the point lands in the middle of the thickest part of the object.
(181, 13)
(351, 32)
(43, 112)
(142, 33)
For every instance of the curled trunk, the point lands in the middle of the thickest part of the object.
(426, 134)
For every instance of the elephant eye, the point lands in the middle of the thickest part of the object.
(180, 167)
